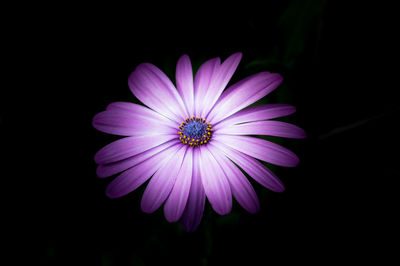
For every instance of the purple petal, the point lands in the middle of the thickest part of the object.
(141, 111)
(162, 182)
(137, 175)
(176, 202)
(106, 170)
(242, 94)
(252, 167)
(128, 147)
(215, 184)
(241, 188)
(261, 149)
(270, 128)
(124, 123)
(257, 113)
(153, 88)
(194, 209)
(219, 82)
(203, 81)
(184, 82)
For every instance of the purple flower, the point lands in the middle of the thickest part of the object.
(191, 139)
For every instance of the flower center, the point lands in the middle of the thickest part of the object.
(195, 131)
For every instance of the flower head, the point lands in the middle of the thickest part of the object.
(192, 140)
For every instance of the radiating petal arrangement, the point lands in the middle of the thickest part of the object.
(193, 140)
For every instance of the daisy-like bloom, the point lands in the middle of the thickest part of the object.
(192, 140)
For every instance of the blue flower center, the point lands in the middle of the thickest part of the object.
(195, 131)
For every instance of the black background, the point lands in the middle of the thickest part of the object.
(339, 203)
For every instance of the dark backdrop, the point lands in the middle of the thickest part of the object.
(339, 202)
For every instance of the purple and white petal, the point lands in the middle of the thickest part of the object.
(252, 167)
(269, 128)
(137, 175)
(194, 208)
(153, 88)
(256, 113)
(184, 82)
(203, 81)
(124, 123)
(176, 202)
(241, 188)
(106, 170)
(141, 111)
(242, 94)
(261, 149)
(220, 80)
(215, 184)
(128, 147)
(162, 182)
